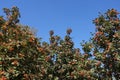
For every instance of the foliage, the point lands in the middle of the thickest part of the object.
(20, 51)
(25, 57)
(107, 45)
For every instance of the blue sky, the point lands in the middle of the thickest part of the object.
(58, 15)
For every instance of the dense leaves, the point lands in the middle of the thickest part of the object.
(19, 49)
(107, 44)
(24, 57)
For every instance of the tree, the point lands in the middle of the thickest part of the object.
(68, 63)
(106, 43)
(20, 50)
(23, 57)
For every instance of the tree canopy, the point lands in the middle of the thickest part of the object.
(23, 56)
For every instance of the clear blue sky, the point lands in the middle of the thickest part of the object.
(58, 15)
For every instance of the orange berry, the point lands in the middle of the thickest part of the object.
(3, 78)
(15, 62)
(1, 34)
(81, 73)
(47, 58)
(88, 77)
(11, 49)
(26, 76)
(4, 27)
(98, 63)
(31, 39)
(40, 49)
(2, 72)
(21, 55)
(1, 62)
